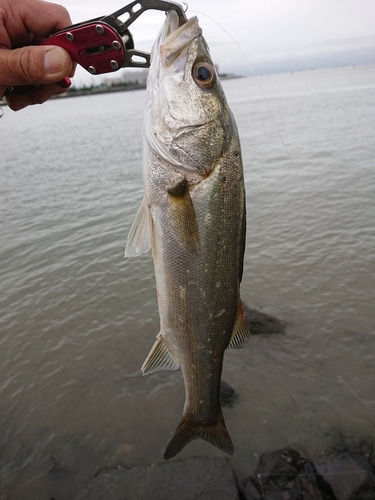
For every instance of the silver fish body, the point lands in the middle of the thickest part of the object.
(193, 216)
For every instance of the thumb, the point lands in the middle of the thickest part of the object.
(31, 64)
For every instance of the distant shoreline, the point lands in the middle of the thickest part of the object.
(72, 92)
(123, 87)
(91, 91)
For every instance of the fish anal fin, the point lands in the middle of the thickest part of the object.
(139, 238)
(187, 431)
(159, 358)
(183, 218)
(240, 333)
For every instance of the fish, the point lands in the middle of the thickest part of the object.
(193, 217)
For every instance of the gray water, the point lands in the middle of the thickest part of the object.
(77, 319)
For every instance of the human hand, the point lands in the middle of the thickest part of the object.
(26, 22)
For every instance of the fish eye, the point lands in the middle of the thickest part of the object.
(204, 75)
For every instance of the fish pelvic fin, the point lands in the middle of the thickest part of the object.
(139, 239)
(159, 358)
(183, 220)
(240, 333)
(187, 431)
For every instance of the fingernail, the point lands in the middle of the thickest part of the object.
(55, 61)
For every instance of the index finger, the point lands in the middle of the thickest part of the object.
(46, 18)
(38, 18)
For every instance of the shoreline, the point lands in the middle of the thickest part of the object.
(72, 92)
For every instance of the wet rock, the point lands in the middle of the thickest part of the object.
(227, 394)
(346, 478)
(286, 475)
(194, 479)
(362, 449)
(347, 473)
(260, 322)
(350, 468)
(278, 468)
(251, 490)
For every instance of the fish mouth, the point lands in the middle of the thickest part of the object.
(169, 56)
(174, 41)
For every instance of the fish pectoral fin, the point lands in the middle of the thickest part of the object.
(183, 218)
(159, 358)
(139, 238)
(240, 334)
(187, 431)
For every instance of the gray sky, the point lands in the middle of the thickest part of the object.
(275, 35)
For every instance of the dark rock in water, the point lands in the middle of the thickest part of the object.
(347, 473)
(347, 479)
(286, 474)
(259, 322)
(278, 468)
(227, 394)
(350, 468)
(251, 490)
(197, 478)
(362, 449)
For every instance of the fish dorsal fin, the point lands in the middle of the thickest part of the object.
(139, 238)
(159, 358)
(240, 334)
(183, 217)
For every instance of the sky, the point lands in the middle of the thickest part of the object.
(260, 36)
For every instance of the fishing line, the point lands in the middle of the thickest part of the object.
(268, 106)
(262, 92)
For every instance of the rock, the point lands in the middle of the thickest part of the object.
(251, 490)
(350, 468)
(194, 479)
(346, 478)
(277, 471)
(348, 473)
(227, 394)
(259, 322)
(361, 448)
(278, 468)
(286, 474)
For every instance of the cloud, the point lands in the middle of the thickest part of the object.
(329, 53)
(273, 35)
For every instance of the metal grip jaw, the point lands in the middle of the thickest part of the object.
(133, 11)
(105, 44)
(136, 8)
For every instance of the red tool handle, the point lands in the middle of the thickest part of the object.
(95, 46)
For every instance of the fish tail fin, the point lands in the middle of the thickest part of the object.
(187, 431)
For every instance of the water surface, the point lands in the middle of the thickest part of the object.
(77, 320)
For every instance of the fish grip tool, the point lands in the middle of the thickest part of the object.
(105, 44)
